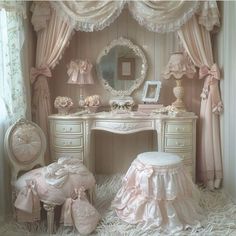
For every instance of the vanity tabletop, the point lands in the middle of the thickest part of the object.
(122, 115)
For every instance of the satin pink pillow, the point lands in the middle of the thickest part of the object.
(80, 213)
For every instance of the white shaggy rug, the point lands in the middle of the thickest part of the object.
(220, 217)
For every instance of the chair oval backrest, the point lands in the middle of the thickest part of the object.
(25, 145)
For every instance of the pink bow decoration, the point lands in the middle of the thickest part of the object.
(66, 213)
(147, 169)
(84, 66)
(80, 192)
(42, 70)
(204, 93)
(218, 108)
(27, 199)
(213, 72)
(73, 71)
(145, 172)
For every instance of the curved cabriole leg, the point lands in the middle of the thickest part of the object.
(50, 216)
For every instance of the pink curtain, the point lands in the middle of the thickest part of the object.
(197, 42)
(53, 35)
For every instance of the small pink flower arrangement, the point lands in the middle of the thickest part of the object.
(63, 104)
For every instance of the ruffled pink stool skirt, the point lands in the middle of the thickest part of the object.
(161, 195)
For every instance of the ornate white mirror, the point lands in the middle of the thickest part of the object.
(121, 68)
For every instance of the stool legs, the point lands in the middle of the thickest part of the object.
(50, 216)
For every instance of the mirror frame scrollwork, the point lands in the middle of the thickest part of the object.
(137, 51)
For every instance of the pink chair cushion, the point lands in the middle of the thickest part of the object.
(50, 193)
(26, 143)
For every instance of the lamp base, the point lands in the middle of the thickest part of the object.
(179, 94)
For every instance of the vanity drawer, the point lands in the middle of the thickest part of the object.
(78, 154)
(178, 128)
(70, 142)
(69, 128)
(178, 142)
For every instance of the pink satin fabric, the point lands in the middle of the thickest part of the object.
(213, 72)
(212, 76)
(78, 212)
(27, 203)
(33, 187)
(161, 197)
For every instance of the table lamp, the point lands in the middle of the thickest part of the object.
(178, 67)
(79, 72)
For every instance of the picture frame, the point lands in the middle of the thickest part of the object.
(151, 91)
(126, 68)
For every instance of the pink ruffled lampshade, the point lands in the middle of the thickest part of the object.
(80, 72)
(179, 65)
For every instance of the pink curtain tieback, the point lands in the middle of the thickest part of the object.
(212, 74)
(42, 70)
(27, 199)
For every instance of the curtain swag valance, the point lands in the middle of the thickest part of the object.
(159, 16)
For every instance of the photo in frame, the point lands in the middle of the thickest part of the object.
(151, 91)
(126, 68)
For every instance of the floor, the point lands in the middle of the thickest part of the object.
(220, 217)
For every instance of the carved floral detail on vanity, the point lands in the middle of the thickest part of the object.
(119, 126)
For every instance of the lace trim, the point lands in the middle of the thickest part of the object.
(87, 26)
(209, 15)
(164, 28)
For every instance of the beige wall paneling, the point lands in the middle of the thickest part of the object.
(112, 151)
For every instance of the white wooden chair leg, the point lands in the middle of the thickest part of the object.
(50, 216)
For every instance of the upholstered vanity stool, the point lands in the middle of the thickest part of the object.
(158, 192)
(25, 145)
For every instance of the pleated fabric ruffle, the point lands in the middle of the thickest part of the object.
(158, 196)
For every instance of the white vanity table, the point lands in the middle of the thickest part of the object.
(73, 135)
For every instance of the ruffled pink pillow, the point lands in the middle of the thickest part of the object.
(80, 213)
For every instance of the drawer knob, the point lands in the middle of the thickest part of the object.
(180, 144)
(70, 128)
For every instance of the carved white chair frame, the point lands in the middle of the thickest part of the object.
(17, 166)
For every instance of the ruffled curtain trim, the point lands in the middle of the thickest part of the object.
(209, 15)
(85, 25)
(158, 196)
(161, 16)
(174, 25)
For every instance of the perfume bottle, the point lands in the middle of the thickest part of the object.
(81, 101)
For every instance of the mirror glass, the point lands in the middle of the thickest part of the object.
(121, 67)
